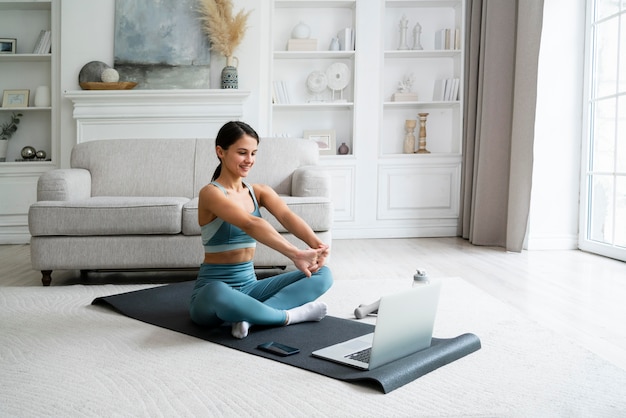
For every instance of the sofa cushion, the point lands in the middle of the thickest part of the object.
(107, 215)
(190, 218)
(317, 212)
(157, 167)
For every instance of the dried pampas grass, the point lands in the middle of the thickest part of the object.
(224, 30)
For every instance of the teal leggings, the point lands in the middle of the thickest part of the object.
(232, 293)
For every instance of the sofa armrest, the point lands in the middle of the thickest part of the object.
(64, 184)
(311, 180)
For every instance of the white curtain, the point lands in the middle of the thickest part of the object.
(502, 49)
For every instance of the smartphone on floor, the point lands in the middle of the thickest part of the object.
(278, 349)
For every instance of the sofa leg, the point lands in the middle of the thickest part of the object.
(46, 277)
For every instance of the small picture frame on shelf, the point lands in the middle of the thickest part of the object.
(15, 98)
(325, 140)
(8, 45)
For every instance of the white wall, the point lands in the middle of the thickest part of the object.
(553, 222)
(85, 38)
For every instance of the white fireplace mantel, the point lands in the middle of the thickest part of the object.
(115, 114)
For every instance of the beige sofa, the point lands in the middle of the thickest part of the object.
(132, 204)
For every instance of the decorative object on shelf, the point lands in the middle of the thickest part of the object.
(302, 45)
(343, 149)
(41, 154)
(7, 129)
(417, 34)
(230, 76)
(4, 145)
(110, 75)
(301, 31)
(409, 138)
(334, 44)
(121, 85)
(42, 96)
(404, 93)
(404, 24)
(92, 72)
(97, 75)
(300, 39)
(28, 152)
(325, 140)
(15, 98)
(225, 31)
(422, 135)
(8, 45)
(316, 83)
(338, 75)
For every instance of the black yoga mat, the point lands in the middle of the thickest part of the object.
(167, 307)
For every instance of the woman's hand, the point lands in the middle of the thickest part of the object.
(321, 258)
(311, 260)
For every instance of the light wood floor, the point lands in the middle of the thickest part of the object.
(577, 294)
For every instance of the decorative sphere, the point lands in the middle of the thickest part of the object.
(110, 75)
(301, 31)
(92, 72)
(41, 154)
(28, 152)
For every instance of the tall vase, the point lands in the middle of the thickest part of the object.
(422, 136)
(409, 138)
(230, 77)
(4, 144)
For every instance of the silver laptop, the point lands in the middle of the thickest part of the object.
(404, 326)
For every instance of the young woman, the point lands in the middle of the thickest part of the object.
(227, 289)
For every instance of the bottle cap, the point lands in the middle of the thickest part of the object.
(420, 276)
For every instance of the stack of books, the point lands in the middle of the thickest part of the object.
(448, 39)
(346, 39)
(446, 90)
(44, 42)
(280, 94)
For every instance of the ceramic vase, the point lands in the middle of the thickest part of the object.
(230, 76)
(409, 138)
(42, 96)
(343, 149)
(4, 144)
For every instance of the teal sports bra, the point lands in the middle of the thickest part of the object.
(219, 236)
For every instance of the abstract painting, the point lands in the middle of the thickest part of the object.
(159, 44)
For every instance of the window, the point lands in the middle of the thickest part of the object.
(603, 197)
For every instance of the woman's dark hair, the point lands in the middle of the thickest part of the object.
(230, 133)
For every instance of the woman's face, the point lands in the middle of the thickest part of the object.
(239, 157)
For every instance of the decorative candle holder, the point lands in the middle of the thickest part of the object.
(422, 135)
(409, 138)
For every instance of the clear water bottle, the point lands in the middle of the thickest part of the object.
(420, 277)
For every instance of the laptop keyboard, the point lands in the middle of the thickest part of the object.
(362, 356)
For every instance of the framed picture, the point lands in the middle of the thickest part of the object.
(8, 45)
(15, 98)
(325, 140)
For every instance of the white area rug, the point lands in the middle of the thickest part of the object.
(60, 356)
